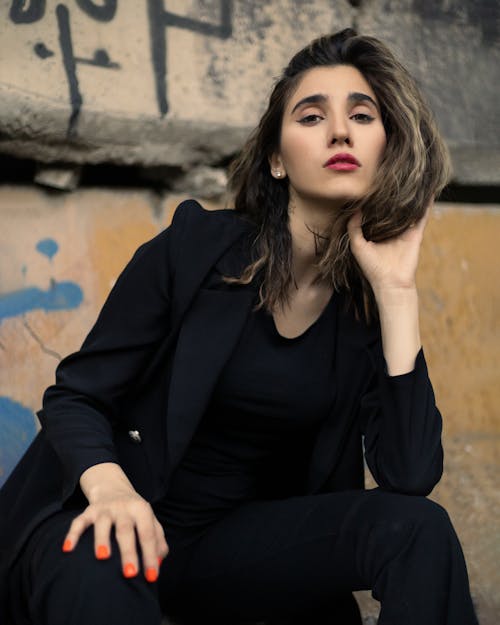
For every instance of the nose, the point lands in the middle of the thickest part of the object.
(343, 138)
(339, 132)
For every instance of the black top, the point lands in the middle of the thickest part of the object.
(259, 426)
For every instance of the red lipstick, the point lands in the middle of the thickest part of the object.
(342, 162)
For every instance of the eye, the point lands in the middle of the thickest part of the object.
(309, 120)
(364, 118)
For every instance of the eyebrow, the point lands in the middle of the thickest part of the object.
(320, 98)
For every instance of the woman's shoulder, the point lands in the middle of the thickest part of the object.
(192, 225)
(191, 211)
(197, 236)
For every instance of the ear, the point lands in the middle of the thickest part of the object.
(277, 168)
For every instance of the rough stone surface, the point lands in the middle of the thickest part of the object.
(83, 239)
(208, 182)
(64, 178)
(453, 48)
(143, 85)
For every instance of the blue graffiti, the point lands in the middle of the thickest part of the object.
(60, 296)
(17, 423)
(47, 247)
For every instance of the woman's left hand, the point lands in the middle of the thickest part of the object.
(391, 265)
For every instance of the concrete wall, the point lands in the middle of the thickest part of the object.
(180, 82)
(66, 250)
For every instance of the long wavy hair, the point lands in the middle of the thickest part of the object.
(414, 169)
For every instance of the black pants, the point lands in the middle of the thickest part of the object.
(282, 559)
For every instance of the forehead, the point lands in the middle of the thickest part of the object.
(336, 82)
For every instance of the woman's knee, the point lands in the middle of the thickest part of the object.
(76, 583)
(412, 511)
(50, 563)
(426, 516)
(404, 533)
(81, 565)
(397, 523)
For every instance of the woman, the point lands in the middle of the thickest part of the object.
(216, 410)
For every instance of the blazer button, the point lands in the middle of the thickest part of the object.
(135, 436)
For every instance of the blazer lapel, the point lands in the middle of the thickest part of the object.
(209, 332)
(215, 238)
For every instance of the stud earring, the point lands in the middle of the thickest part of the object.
(277, 173)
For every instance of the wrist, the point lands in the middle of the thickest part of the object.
(399, 323)
(98, 492)
(102, 479)
(395, 297)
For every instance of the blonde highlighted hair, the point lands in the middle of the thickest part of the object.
(414, 169)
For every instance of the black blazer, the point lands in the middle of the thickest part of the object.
(139, 385)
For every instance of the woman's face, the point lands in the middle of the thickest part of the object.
(332, 136)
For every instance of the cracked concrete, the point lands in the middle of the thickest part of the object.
(38, 340)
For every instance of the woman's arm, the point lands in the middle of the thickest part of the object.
(80, 409)
(399, 324)
(402, 428)
(390, 268)
(401, 423)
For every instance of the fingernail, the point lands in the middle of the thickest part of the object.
(102, 552)
(151, 575)
(160, 560)
(129, 570)
(67, 545)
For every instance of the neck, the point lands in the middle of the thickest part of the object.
(304, 220)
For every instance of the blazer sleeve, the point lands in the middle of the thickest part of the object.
(402, 429)
(80, 408)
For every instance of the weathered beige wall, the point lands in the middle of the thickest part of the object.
(98, 230)
(460, 298)
(181, 82)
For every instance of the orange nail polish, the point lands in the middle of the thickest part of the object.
(67, 545)
(129, 570)
(160, 560)
(151, 575)
(102, 552)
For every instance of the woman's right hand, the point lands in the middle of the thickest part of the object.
(113, 502)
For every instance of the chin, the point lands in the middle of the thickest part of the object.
(335, 196)
(341, 198)
(341, 194)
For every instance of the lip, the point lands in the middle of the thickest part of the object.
(342, 162)
(342, 166)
